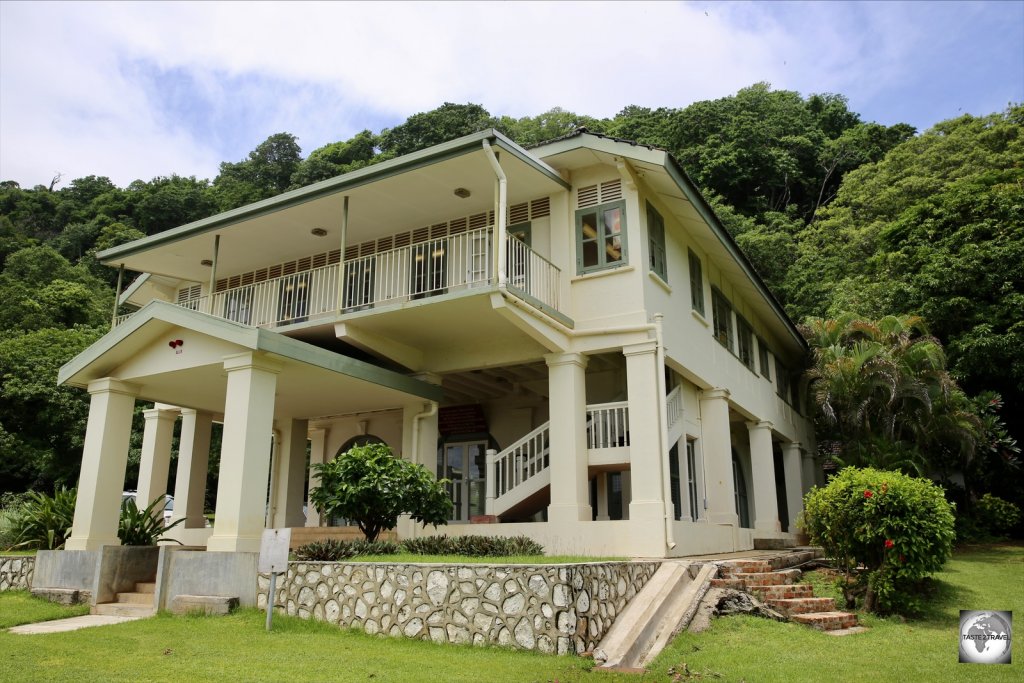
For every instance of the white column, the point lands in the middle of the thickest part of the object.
(762, 465)
(291, 475)
(645, 456)
(791, 464)
(567, 400)
(104, 461)
(193, 464)
(317, 455)
(156, 456)
(810, 469)
(717, 452)
(602, 497)
(245, 453)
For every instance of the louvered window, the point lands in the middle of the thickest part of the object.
(656, 243)
(696, 283)
(188, 297)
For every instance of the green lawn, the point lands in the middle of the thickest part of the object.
(19, 607)
(237, 648)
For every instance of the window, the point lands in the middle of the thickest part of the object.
(674, 478)
(762, 354)
(745, 339)
(721, 310)
(656, 242)
(691, 477)
(740, 485)
(601, 237)
(696, 284)
(781, 380)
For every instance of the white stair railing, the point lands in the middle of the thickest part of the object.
(674, 407)
(608, 425)
(524, 459)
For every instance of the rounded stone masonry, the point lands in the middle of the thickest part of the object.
(16, 572)
(556, 609)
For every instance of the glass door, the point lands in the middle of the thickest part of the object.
(465, 464)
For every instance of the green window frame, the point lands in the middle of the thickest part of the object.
(762, 355)
(656, 243)
(745, 342)
(721, 313)
(601, 237)
(782, 381)
(696, 283)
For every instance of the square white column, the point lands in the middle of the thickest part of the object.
(104, 461)
(647, 461)
(717, 451)
(567, 399)
(193, 464)
(156, 456)
(791, 464)
(602, 497)
(762, 464)
(291, 475)
(317, 455)
(245, 453)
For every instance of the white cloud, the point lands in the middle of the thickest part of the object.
(87, 88)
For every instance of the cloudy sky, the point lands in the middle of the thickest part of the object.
(138, 90)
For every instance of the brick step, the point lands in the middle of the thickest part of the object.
(791, 606)
(826, 621)
(792, 559)
(763, 578)
(745, 567)
(736, 584)
(785, 591)
(145, 587)
(135, 598)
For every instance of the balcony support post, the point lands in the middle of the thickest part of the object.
(341, 254)
(500, 215)
(117, 295)
(213, 275)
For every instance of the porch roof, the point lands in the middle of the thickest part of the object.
(313, 382)
(405, 193)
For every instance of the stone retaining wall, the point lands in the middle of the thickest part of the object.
(549, 608)
(16, 572)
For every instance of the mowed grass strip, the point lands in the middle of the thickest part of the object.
(893, 649)
(19, 607)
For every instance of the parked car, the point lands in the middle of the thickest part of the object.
(168, 506)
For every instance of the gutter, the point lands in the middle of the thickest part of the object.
(500, 216)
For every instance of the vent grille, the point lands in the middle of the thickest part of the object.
(186, 293)
(611, 191)
(539, 208)
(586, 196)
(478, 221)
(520, 213)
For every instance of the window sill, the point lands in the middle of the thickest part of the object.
(699, 318)
(603, 273)
(660, 282)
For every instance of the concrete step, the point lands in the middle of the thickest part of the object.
(205, 604)
(785, 591)
(826, 621)
(136, 598)
(123, 609)
(791, 606)
(145, 587)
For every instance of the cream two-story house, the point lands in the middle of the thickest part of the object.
(566, 333)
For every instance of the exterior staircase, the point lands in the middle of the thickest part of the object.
(137, 603)
(775, 586)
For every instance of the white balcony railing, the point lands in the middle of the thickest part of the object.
(608, 425)
(416, 271)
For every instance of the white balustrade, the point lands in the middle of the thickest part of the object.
(608, 425)
(524, 459)
(528, 273)
(674, 406)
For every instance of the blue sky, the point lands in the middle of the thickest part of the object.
(136, 90)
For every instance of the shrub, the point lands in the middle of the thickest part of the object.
(372, 487)
(43, 522)
(143, 527)
(473, 546)
(11, 506)
(333, 550)
(885, 530)
(996, 515)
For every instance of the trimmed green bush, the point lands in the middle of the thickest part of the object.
(996, 515)
(333, 550)
(885, 530)
(469, 546)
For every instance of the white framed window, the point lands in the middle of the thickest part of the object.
(721, 311)
(656, 243)
(601, 237)
(745, 342)
(696, 283)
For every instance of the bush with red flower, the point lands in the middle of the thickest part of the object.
(885, 530)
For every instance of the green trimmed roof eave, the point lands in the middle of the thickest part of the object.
(256, 339)
(707, 213)
(363, 176)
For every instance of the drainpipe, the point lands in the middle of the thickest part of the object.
(429, 412)
(663, 429)
(341, 255)
(213, 275)
(117, 295)
(500, 218)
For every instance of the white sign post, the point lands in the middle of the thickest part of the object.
(273, 560)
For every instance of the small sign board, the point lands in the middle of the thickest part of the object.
(274, 551)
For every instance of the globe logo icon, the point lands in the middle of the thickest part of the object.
(985, 637)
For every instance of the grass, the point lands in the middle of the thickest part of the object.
(19, 607)
(409, 558)
(893, 649)
(734, 649)
(18, 553)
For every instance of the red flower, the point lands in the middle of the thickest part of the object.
(868, 494)
(888, 543)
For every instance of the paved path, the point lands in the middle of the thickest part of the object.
(70, 624)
